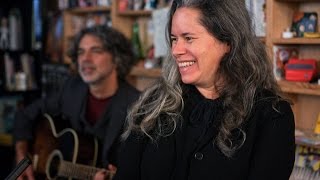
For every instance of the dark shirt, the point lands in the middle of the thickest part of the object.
(191, 153)
(95, 108)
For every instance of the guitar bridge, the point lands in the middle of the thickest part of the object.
(35, 161)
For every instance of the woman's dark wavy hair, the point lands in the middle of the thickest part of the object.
(113, 41)
(245, 70)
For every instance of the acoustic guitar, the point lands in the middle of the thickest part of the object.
(62, 152)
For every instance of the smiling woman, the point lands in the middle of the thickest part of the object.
(190, 44)
(216, 112)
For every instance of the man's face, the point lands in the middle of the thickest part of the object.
(95, 64)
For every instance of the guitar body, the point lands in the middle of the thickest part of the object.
(52, 137)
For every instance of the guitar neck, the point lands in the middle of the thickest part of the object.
(79, 171)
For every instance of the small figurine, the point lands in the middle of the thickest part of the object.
(4, 34)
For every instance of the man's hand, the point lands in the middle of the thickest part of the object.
(106, 174)
(21, 148)
(27, 174)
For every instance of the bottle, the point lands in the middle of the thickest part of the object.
(136, 43)
(15, 29)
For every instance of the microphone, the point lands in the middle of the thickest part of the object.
(18, 170)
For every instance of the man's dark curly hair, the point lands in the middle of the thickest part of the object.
(114, 42)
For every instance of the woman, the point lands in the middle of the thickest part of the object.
(216, 112)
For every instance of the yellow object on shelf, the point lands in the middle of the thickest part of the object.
(5, 139)
(317, 128)
(311, 35)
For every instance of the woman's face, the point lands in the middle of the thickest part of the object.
(196, 51)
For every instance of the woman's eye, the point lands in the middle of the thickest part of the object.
(173, 39)
(189, 39)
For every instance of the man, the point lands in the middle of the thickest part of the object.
(95, 102)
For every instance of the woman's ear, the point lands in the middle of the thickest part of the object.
(227, 48)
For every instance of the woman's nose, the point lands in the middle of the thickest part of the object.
(178, 48)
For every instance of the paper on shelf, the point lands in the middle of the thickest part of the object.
(160, 19)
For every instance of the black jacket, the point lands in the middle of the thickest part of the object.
(267, 153)
(70, 103)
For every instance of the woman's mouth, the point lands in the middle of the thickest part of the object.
(186, 64)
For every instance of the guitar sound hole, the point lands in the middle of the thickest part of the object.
(54, 166)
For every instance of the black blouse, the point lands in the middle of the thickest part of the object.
(190, 153)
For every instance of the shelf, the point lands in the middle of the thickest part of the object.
(299, 88)
(6, 139)
(150, 73)
(85, 10)
(135, 13)
(304, 137)
(286, 86)
(294, 41)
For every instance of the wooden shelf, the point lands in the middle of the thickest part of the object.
(6, 139)
(286, 86)
(294, 41)
(306, 133)
(299, 88)
(85, 10)
(150, 73)
(136, 13)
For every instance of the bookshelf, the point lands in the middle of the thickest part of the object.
(74, 19)
(296, 41)
(86, 10)
(135, 13)
(305, 96)
(122, 21)
(140, 77)
(300, 88)
(23, 57)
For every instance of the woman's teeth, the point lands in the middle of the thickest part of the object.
(186, 64)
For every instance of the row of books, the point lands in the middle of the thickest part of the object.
(299, 173)
(66, 4)
(307, 157)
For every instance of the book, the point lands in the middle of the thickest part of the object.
(317, 126)
(299, 173)
(308, 158)
(8, 108)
